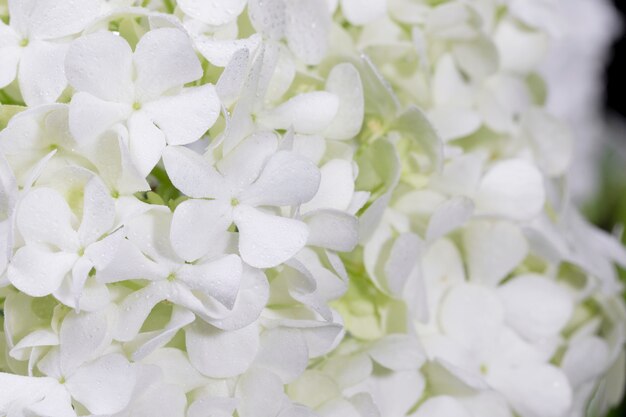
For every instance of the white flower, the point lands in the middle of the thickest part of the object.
(255, 174)
(34, 44)
(60, 252)
(144, 89)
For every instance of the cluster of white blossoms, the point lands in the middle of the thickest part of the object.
(294, 208)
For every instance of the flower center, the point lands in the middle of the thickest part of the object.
(136, 105)
(24, 43)
(234, 202)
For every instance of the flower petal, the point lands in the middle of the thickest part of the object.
(442, 406)
(101, 64)
(135, 309)
(336, 187)
(448, 216)
(493, 250)
(90, 116)
(308, 113)
(359, 13)
(164, 59)
(196, 225)
(185, 117)
(8, 66)
(511, 188)
(82, 337)
(534, 390)
(192, 174)
(332, 229)
(307, 29)
(213, 12)
(345, 82)
(219, 279)
(221, 354)
(260, 392)
(147, 142)
(536, 307)
(37, 271)
(98, 212)
(266, 240)
(473, 315)
(41, 73)
(104, 386)
(51, 19)
(287, 179)
(283, 351)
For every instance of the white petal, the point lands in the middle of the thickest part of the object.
(8, 67)
(336, 187)
(307, 113)
(448, 216)
(219, 278)
(283, 351)
(536, 307)
(260, 392)
(251, 300)
(229, 53)
(453, 123)
(403, 257)
(213, 12)
(161, 400)
(551, 141)
(307, 29)
(268, 17)
(19, 391)
(98, 212)
(104, 386)
(101, 64)
(534, 390)
(398, 352)
(266, 240)
(185, 117)
(192, 174)
(442, 406)
(147, 142)
(511, 188)
(181, 317)
(91, 116)
(135, 309)
(233, 77)
(287, 179)
(83, 337)
(128, 263)
(332, 229)
(44, 217)
(345, 82)
(176, 368)
(242, 166)
(41, 73)
(473, 315)
(216, 406)
(220, 354)
(56, 19)
(493, 250)
(164, 59)
(38, 272)
(585, 359)
(196, 225)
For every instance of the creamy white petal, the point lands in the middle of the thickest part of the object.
(104, 386)
(147, 142)
(164, 59)
(448, 216)
(511, 188)
(266, 240)
(535, 306)
(283, 351)
(287, 179)
(8, 66)
(307, 29)
(345, 82)
(332, 229)
(82, 337)
(442, 406)
(493, 249)
(260, 392)
(268, 17)
(135, 309)
(192, 174)
(398, 352)
(101, 64)
(307, 113)
(221, 354)
(90, 116)
(219, 278)
(37, 271)
(50, 19)
(336, 187)
(534, 390)
(473, 315)
(213, 12)
(197, 224)
(185, 117)
(41, 73)
(98, 212)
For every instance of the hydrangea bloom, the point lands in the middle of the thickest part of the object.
(295, 208)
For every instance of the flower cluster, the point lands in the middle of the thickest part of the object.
(294, 208)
